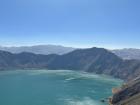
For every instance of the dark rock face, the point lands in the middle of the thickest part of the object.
(130, 92)
(97, 60)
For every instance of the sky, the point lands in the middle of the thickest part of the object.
(112, 24)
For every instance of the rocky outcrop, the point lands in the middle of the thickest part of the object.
(128, 95)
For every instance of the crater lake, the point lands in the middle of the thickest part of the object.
(54, 87)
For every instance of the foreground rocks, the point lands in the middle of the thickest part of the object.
(128, 95)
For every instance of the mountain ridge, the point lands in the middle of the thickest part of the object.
(97, 60)
(126, 53)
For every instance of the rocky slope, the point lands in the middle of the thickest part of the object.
(129, 94)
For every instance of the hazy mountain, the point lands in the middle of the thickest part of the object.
(39, 49)
(60, 50)
(97, 60)
(128, 53)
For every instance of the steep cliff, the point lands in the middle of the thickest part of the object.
(129, 94)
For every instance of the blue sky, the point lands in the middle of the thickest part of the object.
(78, 23)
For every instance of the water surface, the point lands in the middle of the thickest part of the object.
(49, 87)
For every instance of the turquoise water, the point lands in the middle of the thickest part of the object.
(47, 87)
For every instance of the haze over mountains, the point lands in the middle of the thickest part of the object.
(39, 49)
(130, 53)
(58, 49)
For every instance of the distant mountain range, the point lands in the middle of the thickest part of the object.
(128, 53)
(39, 49)
(97, 60)
(60, 50)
